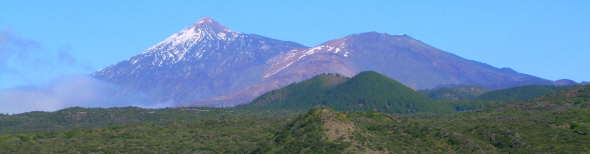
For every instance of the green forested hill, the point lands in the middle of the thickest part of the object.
(455, 93)
(521, 93)
(365, 91)
(323, 130)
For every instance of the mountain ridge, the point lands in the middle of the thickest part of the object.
(209, 64)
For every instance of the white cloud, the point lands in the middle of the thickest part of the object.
(69, 91)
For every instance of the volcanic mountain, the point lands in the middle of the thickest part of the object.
(400, 57)
(403, 58)
(201, 61)
(217, 66)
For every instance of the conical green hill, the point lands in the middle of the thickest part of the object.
(366, 91)
(372, 91)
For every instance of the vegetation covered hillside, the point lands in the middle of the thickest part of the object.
(455, 93)
(553, 123)
(233, 134)
(366, 91)
(323, 130)
(320, 130)
(521, 93)
(570, 99)
(80, 118)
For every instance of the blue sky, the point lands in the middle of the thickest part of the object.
(549, 39)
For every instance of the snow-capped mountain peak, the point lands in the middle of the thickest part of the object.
(205, 20)
(200, 61)
(204, 29)
(210, 25)
(190, 43)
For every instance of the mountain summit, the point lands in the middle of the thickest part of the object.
(203, 31)
(200, 61)
(210, 25)
(401, 57)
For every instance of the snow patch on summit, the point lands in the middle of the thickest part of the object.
(178, 45)
(205, 20)
(283, 61)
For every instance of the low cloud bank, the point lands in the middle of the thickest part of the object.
(28, 62)
(69, 91)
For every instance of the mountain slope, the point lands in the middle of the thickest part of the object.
(274, 78)
(400, 57)
(198, 62)
(366, 91)
(405, 59)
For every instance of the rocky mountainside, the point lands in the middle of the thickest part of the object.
(201, 61)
